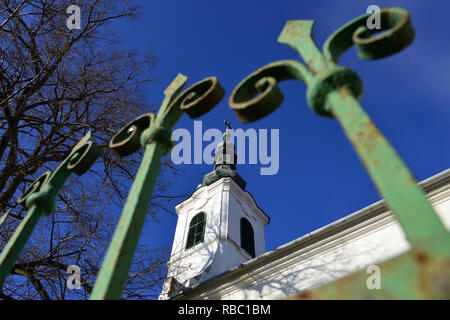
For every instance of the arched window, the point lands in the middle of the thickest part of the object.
(247, 238)
(196, 230)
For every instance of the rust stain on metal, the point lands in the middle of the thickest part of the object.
(368, 137)
(420, 257)
(304, 295)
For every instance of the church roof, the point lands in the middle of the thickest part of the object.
(355, 219)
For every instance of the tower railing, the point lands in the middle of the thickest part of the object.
(332, 91)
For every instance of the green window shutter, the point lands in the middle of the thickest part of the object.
(247, 237)
(196, 230)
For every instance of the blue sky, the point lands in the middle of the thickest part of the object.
(320, 178)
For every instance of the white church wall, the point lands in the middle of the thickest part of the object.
(187, 263)
(442, 207)
(314, 266)
(220, 249)
(327, 254)
(243, 210)
(242, 205)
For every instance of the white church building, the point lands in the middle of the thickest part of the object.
(219, 249)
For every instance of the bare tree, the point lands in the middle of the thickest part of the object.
(55, 85)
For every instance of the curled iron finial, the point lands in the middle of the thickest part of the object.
(34, 190)
(195, 101)
(201, 97)
(127, 140)
(258, 95)
(153, 132)
(43, 190)
(39, 199)
(335, 91)
(396, 34)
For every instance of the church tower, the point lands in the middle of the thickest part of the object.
(219, 226)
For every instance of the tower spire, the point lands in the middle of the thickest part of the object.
(225, 161)
(219, 226)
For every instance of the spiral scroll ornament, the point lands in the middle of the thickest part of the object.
(147, 128)
(45, 188)
(258, 95)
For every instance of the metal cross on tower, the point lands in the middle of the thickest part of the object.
(227, 123)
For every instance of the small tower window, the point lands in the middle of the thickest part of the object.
(196, 230)
(247, 238)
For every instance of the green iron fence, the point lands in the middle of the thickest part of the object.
(332, 91)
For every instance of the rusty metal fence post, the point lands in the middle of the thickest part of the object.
(39, 199)
(334, 91)
(153, 133)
